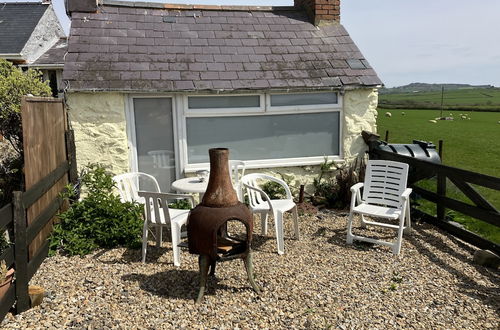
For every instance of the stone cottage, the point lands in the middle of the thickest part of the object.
(282, 87)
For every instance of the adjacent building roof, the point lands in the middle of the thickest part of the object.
(126, 47)
(17, 22)
(54, 56)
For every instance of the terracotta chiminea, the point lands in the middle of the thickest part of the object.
(207, 223)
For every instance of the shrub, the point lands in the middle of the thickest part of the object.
(334, 182)
(14, 84)
(100, 220)
(274, 190)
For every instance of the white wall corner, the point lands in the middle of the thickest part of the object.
(360, 113)
(47, 32)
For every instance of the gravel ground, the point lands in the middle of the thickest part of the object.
(319, 283)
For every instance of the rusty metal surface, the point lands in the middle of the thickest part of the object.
(220, 191)
(204, 224)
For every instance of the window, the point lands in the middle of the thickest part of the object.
(213, 102)
(296, 128)
(264, 136)
(280, 100)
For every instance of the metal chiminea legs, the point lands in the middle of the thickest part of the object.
(207, 223)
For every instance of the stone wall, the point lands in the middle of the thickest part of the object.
(100, 131)
(98, 120)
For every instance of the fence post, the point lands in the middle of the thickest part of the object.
(441, 187)
(20, 253)
(71, 155)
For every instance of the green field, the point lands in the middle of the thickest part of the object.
(468, 144)
(471, 98)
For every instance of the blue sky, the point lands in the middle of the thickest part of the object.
(434, 41)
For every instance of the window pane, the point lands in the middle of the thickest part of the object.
(155, 140)
(281, 100)
(213, 102)
(264, 137)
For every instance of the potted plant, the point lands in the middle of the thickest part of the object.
(6, 277)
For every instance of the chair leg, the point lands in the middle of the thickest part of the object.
(396, 248)
(296, 222)
(362, 221)
(349, 238)
(176, 238)
(263, 222)
(144, 241)
(278, 219)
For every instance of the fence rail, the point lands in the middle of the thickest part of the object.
(462, 179)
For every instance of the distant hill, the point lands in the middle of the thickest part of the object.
(423, 87)
(428, 96)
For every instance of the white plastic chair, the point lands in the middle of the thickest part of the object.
(158, 214)
(261, 203)
(161, 158)
(128, 188)
(128, 185)
(384, 196)
(237, 171)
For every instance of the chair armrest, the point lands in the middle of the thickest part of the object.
(357, 187)
(406, 193)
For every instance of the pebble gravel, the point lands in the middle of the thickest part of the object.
(320, 283)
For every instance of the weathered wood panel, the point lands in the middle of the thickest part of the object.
(44, 128)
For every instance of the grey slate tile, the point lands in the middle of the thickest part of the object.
(134, 49)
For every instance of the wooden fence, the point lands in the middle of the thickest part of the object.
(462, 179)
(49, 165)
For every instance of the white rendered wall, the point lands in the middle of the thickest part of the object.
(44, 36)
(98, 120)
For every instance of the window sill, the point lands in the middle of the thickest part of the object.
(270, 163)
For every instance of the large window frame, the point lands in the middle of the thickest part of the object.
(181, 113)
(265, 109)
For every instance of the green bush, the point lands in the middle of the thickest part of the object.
(100, 220)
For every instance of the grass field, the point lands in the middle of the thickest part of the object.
(468, 144)
(474, 98)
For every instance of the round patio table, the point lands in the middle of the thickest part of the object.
(190, 185)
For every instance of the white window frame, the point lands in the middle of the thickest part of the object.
(303, 108)
(265, 110)
(131, 132)
(219, 111)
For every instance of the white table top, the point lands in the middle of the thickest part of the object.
(190, 185)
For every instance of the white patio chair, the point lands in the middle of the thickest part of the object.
(158, 214)
(128, 185)
(261, 203)
(384, 196)
(237, 168)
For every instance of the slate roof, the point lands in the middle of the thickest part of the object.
(54, 55)
(17, 22)
(125, 48)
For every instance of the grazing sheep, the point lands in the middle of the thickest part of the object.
(388, 114)
(432, 121)
(463, 116)
(403, 113)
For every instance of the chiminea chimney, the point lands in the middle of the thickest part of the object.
(321, 12)
(82, 6)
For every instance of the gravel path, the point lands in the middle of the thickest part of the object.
(320, 283)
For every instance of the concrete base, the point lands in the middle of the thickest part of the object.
(486, 258)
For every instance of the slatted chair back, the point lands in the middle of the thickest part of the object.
(384, 183)
(156, 207)
(254, 196)
(128, 185)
